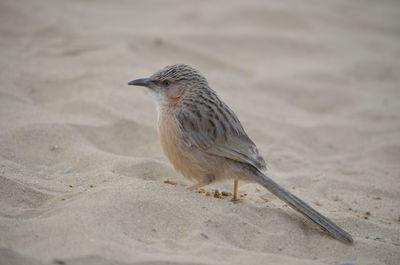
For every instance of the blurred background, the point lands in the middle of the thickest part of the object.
(315, 84)
(279, 64)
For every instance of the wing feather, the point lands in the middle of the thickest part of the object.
(218, 133)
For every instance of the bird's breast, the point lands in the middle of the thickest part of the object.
(173, 145)
(168, 132)
(191, 162)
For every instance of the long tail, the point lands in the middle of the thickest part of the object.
(300, 206)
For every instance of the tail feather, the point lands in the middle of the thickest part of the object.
(300, 206)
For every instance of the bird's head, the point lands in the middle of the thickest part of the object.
(172, 82)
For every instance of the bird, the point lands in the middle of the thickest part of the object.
(205, 141)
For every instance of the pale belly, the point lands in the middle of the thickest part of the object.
(187, 160)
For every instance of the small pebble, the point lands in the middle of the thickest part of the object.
(217, 194)
(204, 235)
(169, 182)
(54, 148)
(226, 193)
(337, 198)
(317, 203)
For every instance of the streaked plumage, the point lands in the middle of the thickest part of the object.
(205, 141)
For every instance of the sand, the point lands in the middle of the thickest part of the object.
(82, 176)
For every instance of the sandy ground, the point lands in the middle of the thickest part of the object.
(82, 175)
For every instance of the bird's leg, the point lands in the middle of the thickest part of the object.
(235, 189)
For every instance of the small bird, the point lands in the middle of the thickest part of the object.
(205, 141)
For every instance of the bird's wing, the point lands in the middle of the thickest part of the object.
(216, 130)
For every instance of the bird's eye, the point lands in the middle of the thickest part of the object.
(166, 83)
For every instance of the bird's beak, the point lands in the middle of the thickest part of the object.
(140, 82)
